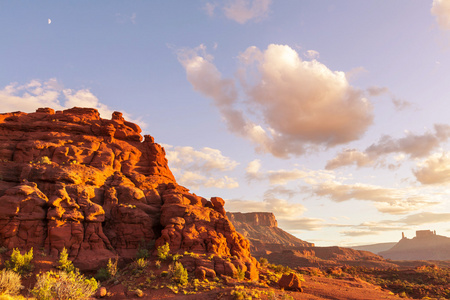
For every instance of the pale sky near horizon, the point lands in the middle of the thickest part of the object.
(333, 115)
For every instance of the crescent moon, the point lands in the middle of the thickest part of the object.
(49, 21)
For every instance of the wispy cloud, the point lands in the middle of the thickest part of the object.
(210, 8)
(195, 180)
(283, 177)
(405, 223)
(240, 11)
(312, 54)
(297, 104)
(386, 200)
(124, 18)
(412, 145)
(201, 168)
(399, 104)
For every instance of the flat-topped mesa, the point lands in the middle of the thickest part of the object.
(254, 218)
(262, 230)
(70, 179)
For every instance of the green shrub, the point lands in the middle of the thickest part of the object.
(158, 264)
(102, 274)
(263, 261)
(64, 263)
(20, 263)
(142, 253)
(141, 263)
(10, 282)
(111, 267)
(239, 293)
(44, 160)
(176, 257)
(163, 251)
(62, 285)
(240, 274)
(179, 274)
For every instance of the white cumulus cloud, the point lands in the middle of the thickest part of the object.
(296, 104)
(51, 93)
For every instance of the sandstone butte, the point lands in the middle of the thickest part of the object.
(70, 179)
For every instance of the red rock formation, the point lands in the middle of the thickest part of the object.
(290, 282)
(261, 228)
(98, 188)
(254, 218)
(426, 245)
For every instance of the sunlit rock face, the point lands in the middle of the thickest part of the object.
(261, 229)
(70, 179)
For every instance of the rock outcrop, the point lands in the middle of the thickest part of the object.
(269, 241)
(421, 247)
(70, 179)
(261, 228)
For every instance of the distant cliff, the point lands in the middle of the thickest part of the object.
(425, 246)
(269, 241)
(262, 227)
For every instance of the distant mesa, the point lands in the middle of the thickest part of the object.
(262, 227)
(426, 245)
(269, 241)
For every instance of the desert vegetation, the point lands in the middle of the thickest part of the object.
(423, 282)
(65, 283)
(165, 273)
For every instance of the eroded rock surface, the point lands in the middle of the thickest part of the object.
(98, 188)
(261, 228)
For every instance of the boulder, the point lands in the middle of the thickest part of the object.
(290, 282)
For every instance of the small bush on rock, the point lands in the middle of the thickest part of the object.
(163, 251)
(111, 267)
(44, 160)
(20, 263)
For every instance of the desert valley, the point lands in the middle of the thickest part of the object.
(224, 150)
(90, 208)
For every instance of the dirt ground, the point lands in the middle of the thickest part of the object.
(313, 288)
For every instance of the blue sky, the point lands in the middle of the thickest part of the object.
(331, 114)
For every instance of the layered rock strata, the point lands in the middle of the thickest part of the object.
(261, 228)
(70, 179)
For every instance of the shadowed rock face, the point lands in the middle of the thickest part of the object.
(98, 188)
